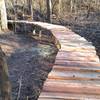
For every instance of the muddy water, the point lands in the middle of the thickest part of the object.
(29, 63)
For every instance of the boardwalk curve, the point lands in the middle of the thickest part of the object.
(76, 73)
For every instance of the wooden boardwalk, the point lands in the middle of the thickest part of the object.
(76, 73)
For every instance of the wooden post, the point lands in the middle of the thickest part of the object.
(4, 80)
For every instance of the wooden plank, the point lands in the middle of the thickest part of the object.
(77, 68)
(67, 96)
(78, 49)
(71, 88)
(76, 53)
(84, 82)
(78, 63)
(67, 75)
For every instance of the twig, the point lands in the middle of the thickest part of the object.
(19, 90)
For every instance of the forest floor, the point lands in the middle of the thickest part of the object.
(29, 63)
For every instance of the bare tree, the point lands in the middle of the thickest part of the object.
(73, 5)
(3, 15)
(49, 10)
(60, 6)
(30, 8)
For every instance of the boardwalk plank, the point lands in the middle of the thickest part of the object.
(67, 96)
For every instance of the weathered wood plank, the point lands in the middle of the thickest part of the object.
(71, 88)
(67, 96)
(77, 68)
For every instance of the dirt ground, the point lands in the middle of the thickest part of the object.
(29, 62)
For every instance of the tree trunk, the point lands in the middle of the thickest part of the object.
(30, 8)
(71, 5)
(3, 15)
(60, 7)
(49, 11)
(4, 80)
(88, 10)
